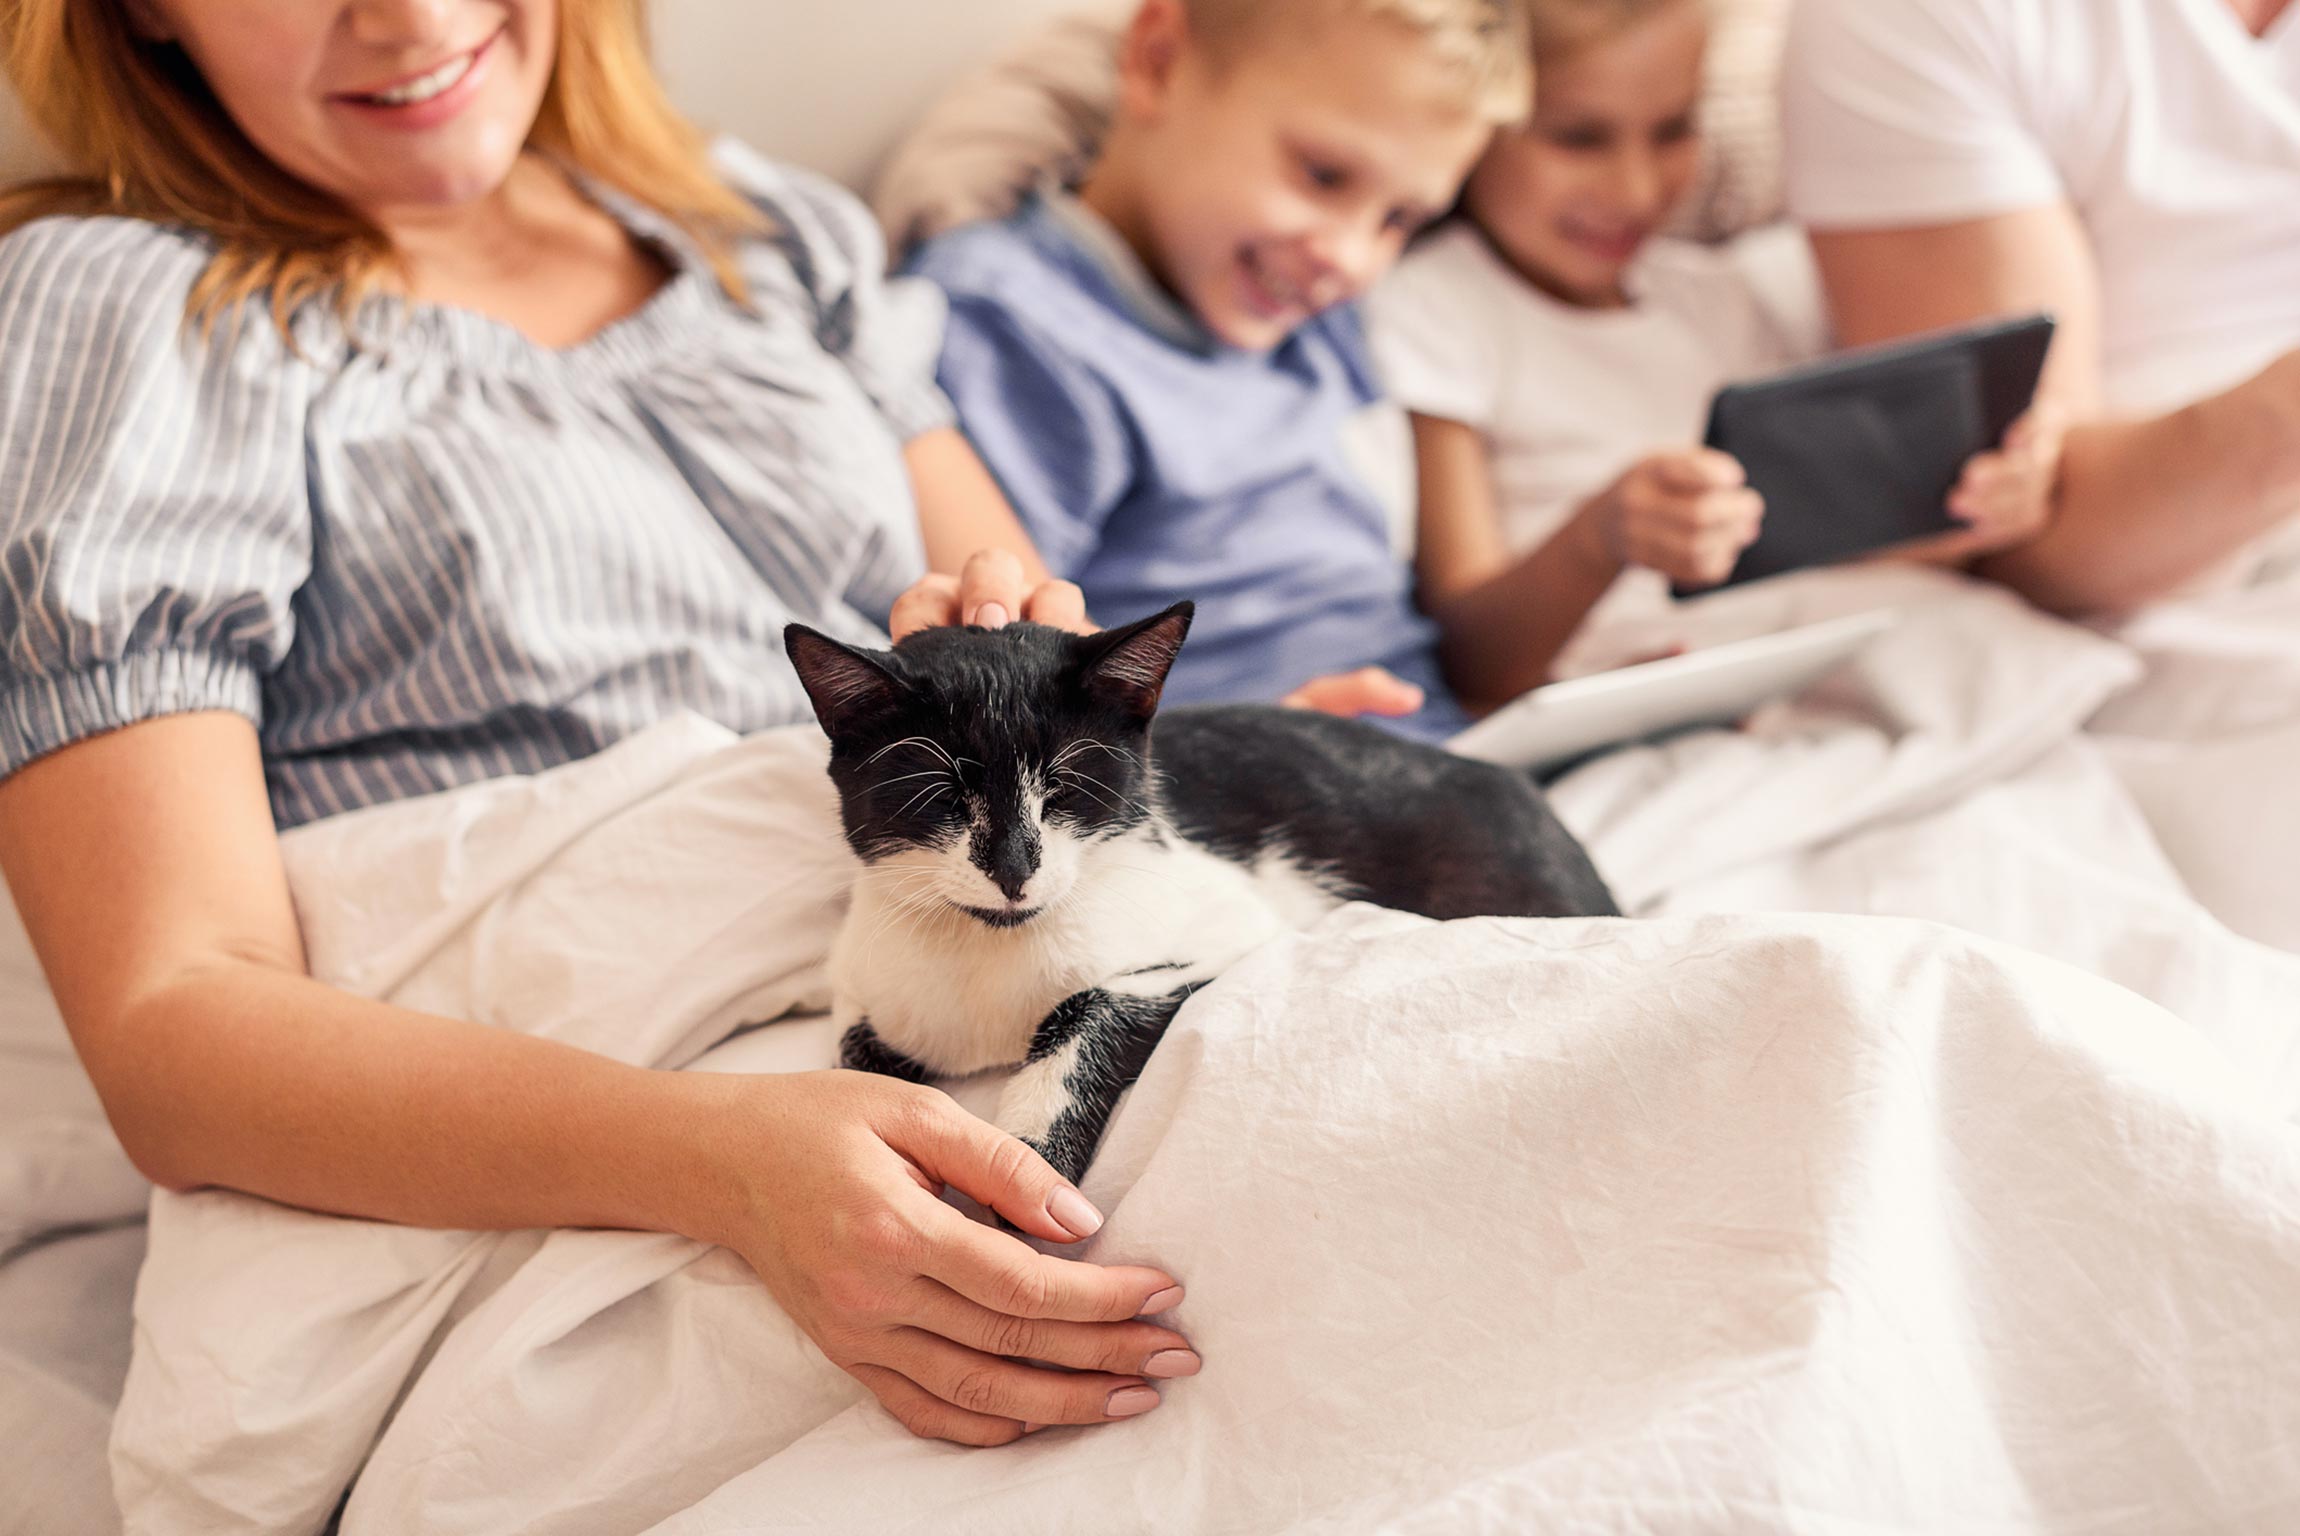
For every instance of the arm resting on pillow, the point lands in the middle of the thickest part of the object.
(2144, 505)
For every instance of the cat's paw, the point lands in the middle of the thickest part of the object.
(861, 1050)
(1063, 1154)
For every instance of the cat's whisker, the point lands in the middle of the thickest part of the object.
(927, 773)
(1109, 794)
(1091, 787)
(1082, 744)
(905, 905)
(941, 788)
(928, 742)
(1068, 775)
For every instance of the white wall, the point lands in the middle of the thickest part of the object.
(828, 83)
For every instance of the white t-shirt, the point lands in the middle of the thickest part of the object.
(1568, 398)
(2171, 130)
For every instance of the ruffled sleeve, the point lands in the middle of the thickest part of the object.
(155, 523)
(887, 331)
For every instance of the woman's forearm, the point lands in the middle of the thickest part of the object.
(256, 1079)
(2146, 506)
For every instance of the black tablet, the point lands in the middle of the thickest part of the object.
(1860, 451)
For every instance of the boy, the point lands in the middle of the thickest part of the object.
(1163, 370)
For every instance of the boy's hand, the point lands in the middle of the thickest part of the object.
(1687, 513)
(1367, 691)
(993, 590)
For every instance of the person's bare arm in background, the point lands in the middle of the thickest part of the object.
(2144, 505)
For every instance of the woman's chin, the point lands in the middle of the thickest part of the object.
(435, 188)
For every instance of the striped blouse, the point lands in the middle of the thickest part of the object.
(425, 550)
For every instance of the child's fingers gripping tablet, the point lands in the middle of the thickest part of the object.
(2005, 496)
(1687, 513)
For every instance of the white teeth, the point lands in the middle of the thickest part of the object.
(424, 87)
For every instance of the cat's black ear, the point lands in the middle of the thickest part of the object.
(849, 688)
(1127, 667)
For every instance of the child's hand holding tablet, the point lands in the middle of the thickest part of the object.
(1685, 512)
(1926, 443)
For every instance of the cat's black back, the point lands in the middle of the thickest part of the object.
(1378, 817)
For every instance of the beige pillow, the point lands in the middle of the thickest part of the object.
(1038, 110)
(1740, 185)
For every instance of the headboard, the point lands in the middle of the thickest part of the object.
(827, 85)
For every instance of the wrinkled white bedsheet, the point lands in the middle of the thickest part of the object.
(1704, 1222)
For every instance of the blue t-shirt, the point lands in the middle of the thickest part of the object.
(1152, 463)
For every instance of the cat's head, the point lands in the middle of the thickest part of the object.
(984, 765)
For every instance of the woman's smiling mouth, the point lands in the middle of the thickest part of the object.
(430, 88)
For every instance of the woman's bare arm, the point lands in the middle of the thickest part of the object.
(147, 872)
(961, 510)
(2144, 505)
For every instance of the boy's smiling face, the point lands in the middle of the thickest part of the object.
(1281, 173)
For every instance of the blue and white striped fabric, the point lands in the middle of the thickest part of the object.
(430, 551)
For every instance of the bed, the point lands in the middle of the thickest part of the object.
(1922, 1157)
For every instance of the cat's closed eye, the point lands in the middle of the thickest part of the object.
(1074, 801)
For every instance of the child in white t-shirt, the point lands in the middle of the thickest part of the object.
(1553, 351)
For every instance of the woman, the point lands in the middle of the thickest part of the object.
(397, 397)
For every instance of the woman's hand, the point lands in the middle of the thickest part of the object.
(1687, 513)
(992, 590)
(839, 1178)
(1367, 691)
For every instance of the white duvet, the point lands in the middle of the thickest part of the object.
(1952, 1185)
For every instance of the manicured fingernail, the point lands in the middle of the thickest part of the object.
(1129, 1401)
(1165, 1301)
(991, 616)
(1169, 1363)
(1072, 1213)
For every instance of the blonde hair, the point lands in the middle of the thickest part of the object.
(142, 136)
(1486, 40)
(1562, 28)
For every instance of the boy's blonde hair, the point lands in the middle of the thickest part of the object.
(1487, 40)
(142, 136)
(1562, 28)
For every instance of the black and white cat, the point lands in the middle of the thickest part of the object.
(1038, 888)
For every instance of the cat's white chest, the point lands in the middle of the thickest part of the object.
(958, 996)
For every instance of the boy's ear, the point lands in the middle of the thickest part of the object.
(849, 688)
(1148, 56)
(1127, 667)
